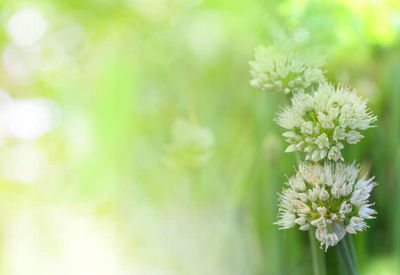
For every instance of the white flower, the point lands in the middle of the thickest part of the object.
(356, 224)
(324, 195)
(319, 123)
(297, 183)
(286, 220)
(345, 208)
(283, 71)
(335, 154)
(366, 212)
(333, 201)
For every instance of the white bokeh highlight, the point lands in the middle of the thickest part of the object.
(26, 27)
(28, 119)
(24, 121)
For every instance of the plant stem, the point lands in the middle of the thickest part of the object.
(318, 255)
(346, 257)
(350, 244)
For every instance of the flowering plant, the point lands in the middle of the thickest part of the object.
(326, 196)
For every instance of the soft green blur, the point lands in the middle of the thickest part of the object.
(132, 143)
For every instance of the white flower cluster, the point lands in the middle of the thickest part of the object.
(321, 119)
(329, 197)
(191, 145)
(319, 123)
(274, 70)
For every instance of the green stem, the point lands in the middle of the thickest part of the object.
(318, 255)
(346, 257)
(350, 244)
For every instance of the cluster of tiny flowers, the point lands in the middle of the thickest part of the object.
(191, 145)
(274, 70)
(319, 123)
(329, 197)
(320, 120)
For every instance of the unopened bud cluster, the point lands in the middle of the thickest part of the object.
(273, 70)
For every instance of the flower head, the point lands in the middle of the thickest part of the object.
(191, 145)
(274, 70)
(320, 123)
(329, 197)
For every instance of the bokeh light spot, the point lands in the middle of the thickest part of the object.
(26, 27)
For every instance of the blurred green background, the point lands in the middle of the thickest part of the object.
(132, 143)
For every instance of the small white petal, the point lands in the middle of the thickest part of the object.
(290, 148)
